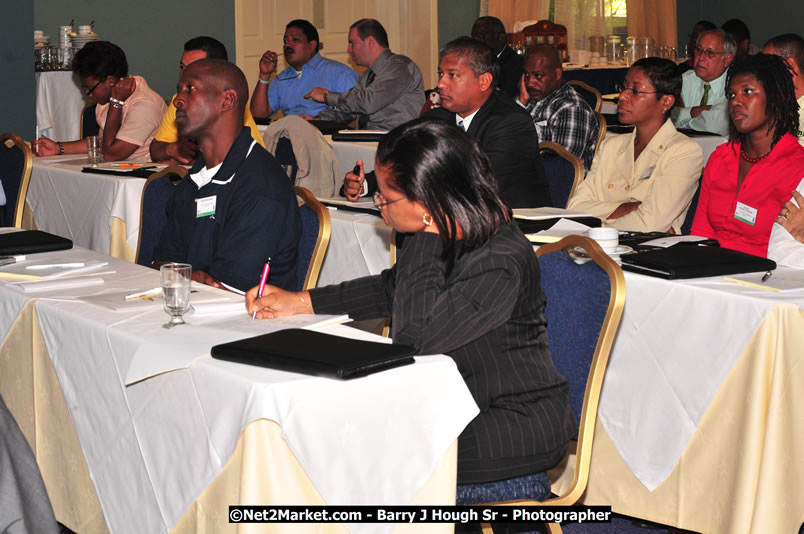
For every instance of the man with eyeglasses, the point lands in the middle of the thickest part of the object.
(167, 146)
(559, 113)
(703, 92)
(306, 70)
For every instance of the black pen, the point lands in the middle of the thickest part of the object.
(766, 276)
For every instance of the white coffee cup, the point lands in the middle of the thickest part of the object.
(607, 238)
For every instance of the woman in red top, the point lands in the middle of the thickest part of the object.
(747, 180)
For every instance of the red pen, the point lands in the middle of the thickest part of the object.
(265, 271)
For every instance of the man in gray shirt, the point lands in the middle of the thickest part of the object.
(387, 94)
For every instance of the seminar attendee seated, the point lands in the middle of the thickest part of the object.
(786, 244)
(504, 131)
(559, 113)
(466, 285)
(306, 70)
(167, 146)
(236, 209)
(747, 180)
(791, 48)
(644, 181)
(128, 111)
(389, 92)
(703, 96)
(491, 31)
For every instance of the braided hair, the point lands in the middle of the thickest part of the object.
(780, 95)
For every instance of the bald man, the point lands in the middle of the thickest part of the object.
(236, 209)
(560, 114)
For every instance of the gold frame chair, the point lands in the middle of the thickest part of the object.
(172, 169)
(322, 241)
(569, 156)
(601, 133)
(12, 139)
(594, 382)
(588, 88)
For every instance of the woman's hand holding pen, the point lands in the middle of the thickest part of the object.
(276, 302)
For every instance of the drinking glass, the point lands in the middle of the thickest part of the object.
(176, 291)
(94, 150)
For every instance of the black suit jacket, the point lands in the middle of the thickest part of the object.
(510, 71)
(506, 134)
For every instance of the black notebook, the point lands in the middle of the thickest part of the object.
(313, 353)
(694, 262)
(31, 242)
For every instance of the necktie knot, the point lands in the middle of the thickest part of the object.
(370, 77)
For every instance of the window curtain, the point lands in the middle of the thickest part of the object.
(512, 11)
(648, 18)
(584, 18)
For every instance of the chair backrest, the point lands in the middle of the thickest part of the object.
(153, 215)
(584, 308)
(588, 93)
(314, 239)
(546, 32)
(89, 124)
(601, 133)
(686, 226)
(564, 172)
(16, 164)
(286, 157)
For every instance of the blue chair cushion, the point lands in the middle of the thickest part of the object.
(560, 176)
(535, 486)
(154, 216)
(577, 303)
(309, 237)
(12, 163)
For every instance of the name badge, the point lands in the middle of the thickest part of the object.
(745, 213)
(205, 207)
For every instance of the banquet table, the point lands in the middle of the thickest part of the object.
(59, 102)
(137, 429)
(604, 78)
(699, 420)
(97, 211)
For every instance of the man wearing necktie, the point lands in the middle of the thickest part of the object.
(703, 90)
(388, 93)
(467, 74)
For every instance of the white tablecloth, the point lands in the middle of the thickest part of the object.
(153, 447)
(359, 246)
(676, 343)
(349, 152)
(59, 102)
(80, 206)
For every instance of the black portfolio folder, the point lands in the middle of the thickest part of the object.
(694, 262)
(31, 242)
(313, 353)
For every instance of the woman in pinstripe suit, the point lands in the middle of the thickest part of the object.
(467, 285)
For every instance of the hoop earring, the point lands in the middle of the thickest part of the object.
(427, 219)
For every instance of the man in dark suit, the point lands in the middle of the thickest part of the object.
(505, 131)
(491, 31)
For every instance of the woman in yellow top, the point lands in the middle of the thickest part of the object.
(644, 181)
